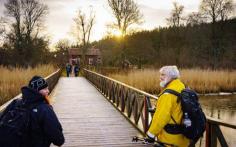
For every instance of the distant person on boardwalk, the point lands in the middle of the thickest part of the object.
(76, 70)
(43, 126)
(168, 110)
(68, 69)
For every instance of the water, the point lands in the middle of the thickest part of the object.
(220, 107)
(223, 108)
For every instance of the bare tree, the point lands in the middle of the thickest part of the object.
(216, 9)
(2, 26)
(84, 26)
(61, 52)
(175, 18)
(13, 9)
(27, 16)
(194, 18)
(2, 30)
(33, 13)
(63, 44)
(126, 13)
(226, 8)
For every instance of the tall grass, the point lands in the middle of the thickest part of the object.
(12, 79)
(202, 81)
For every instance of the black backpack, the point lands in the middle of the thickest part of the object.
(14, 124)
(191, 108)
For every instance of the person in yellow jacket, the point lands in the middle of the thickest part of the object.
(167, 107)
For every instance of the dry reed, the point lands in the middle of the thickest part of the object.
(202, 81)
(12, 79)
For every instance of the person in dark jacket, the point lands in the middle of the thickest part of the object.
(45, 127)
(76, 70)
(68, 69)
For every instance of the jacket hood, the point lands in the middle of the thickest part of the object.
(176, 85)
(31, 96)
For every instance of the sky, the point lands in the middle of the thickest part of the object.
(59, 21)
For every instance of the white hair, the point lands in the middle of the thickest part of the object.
(171, 71)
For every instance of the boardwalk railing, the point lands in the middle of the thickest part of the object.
(51, 79)
(137, 106)
(213, 132)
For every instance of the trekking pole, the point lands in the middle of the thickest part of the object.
(136, 139)
(157, 143)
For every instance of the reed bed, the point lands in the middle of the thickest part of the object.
(12, 79)
(202, 81)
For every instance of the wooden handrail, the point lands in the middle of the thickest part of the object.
(51, 79)
(221, 122)
(137, 111)
(123, 84)
(130, 101)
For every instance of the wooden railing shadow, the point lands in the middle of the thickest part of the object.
(137, 107)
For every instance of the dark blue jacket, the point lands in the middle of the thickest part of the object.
(45, 127)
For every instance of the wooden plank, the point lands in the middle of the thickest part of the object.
(88, 119)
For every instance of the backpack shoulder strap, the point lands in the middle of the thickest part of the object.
(172, 92)
(176, 94)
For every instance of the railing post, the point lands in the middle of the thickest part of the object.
(145, 114)
(123, 101)
(211, 138)
(220, 136)
(208, 135)
(213, 135)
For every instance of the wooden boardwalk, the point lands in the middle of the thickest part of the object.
(87, 118)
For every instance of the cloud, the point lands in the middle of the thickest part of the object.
(2, 7)
(154, 17)
(61, 13)
(60, 18)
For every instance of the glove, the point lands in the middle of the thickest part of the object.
(149, 139)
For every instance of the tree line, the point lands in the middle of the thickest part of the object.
(185, 46)
(204, 38)
(201, 39)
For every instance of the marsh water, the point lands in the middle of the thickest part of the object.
(222, 107)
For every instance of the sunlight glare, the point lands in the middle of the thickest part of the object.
(117, 33)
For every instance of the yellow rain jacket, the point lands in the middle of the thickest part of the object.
(167, 106)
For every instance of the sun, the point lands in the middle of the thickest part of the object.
(117, 33)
